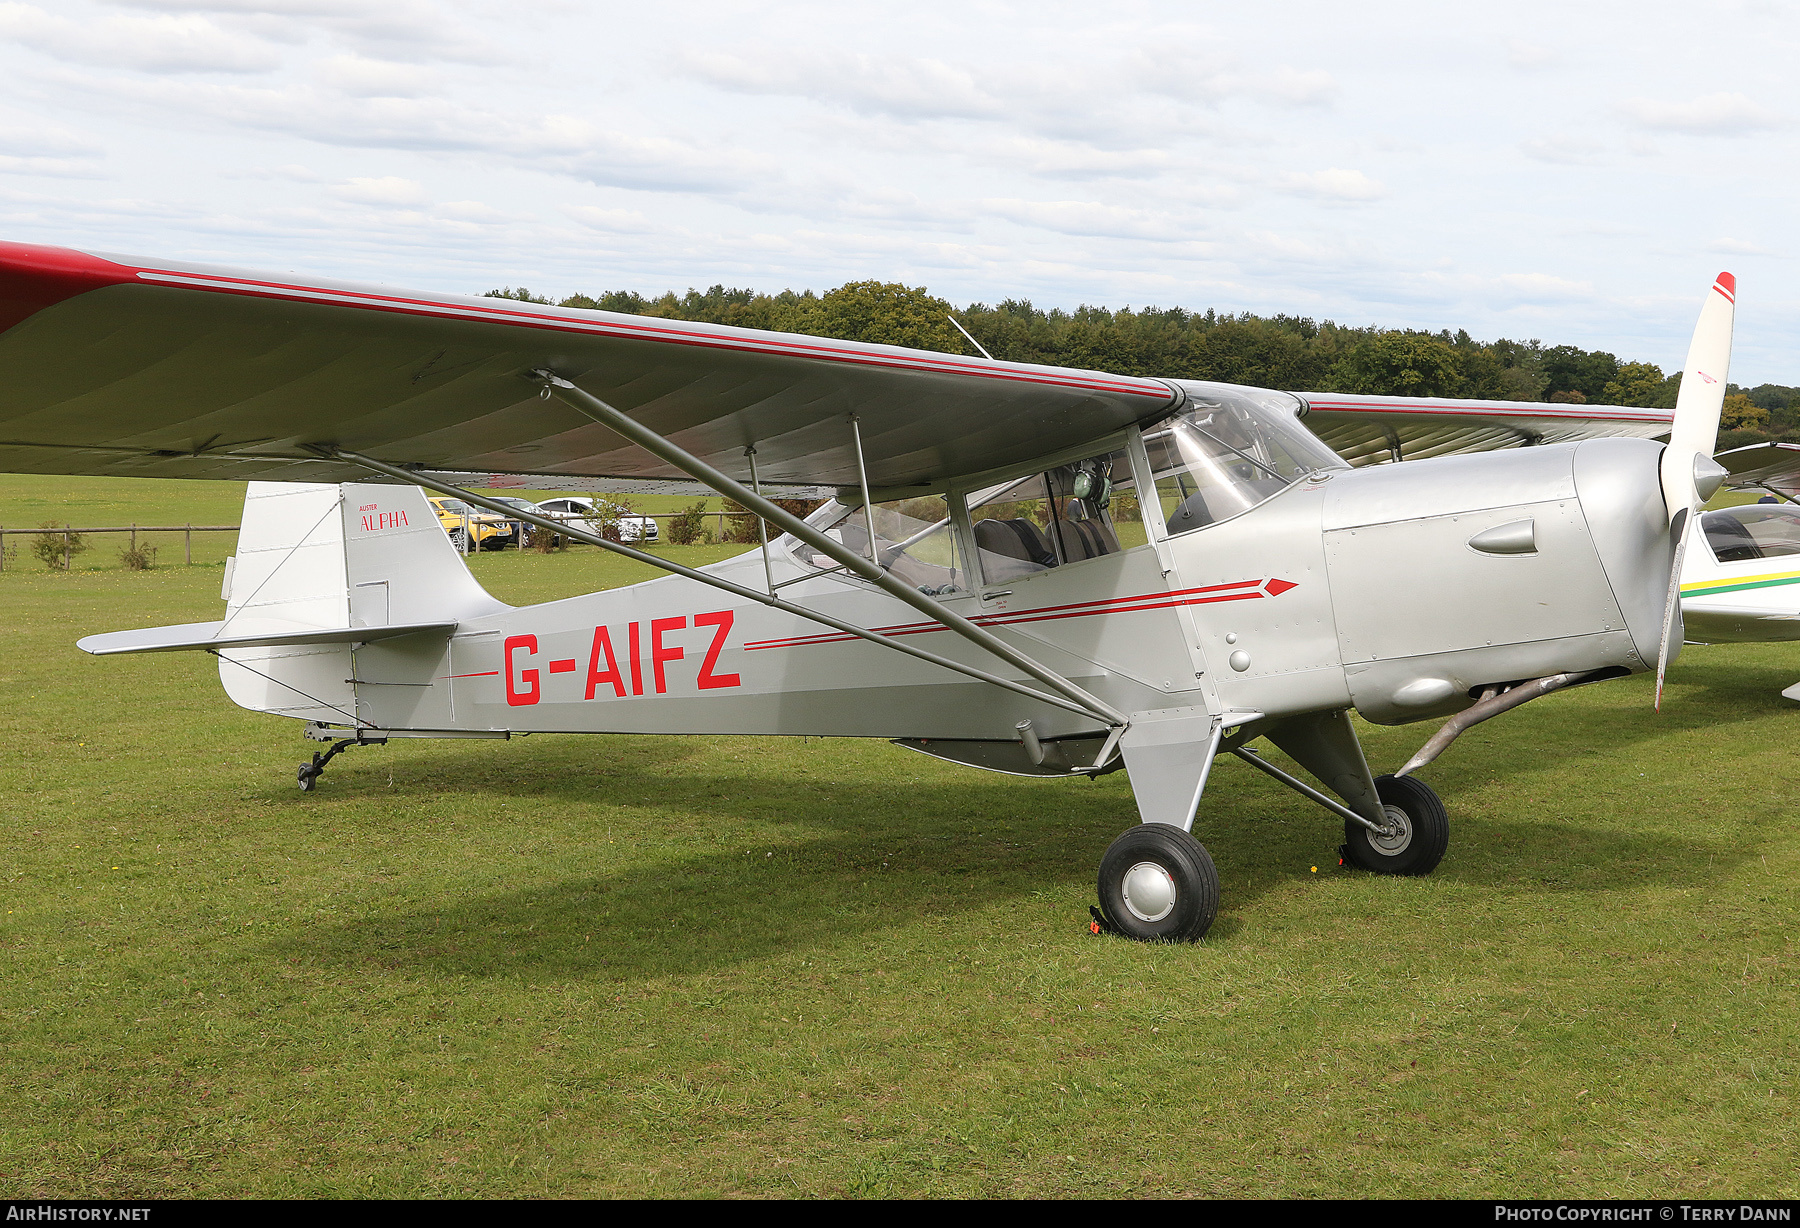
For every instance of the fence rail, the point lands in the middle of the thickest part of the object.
(187, 530)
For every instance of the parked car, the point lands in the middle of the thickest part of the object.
(521, 530)
(591, 513)
(463, 522)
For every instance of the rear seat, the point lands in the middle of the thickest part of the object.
(1011, 549)
(1086, 539)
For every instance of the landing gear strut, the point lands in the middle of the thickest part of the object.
(309, 773)
(1157, 883)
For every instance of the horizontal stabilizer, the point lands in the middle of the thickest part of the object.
(187, 636)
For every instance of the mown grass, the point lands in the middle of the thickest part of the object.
(666, 966)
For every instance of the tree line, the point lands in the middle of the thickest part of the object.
(1279, 351)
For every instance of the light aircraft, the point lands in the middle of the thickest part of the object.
(1035, 570)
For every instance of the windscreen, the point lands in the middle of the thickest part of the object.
(1227, 450)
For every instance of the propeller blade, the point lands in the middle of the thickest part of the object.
(1689, 473)
(1672, 610)
(1696, 427)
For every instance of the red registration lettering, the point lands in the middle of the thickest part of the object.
(659, 654)
(526, 688)
(637, 667)
(603, 645)
(722, 619)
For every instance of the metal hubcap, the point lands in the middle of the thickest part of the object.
(1149, 891)
(1399, 834)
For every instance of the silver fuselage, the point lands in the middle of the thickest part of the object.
(1356, 588)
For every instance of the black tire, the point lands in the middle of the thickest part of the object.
(460, 539)
(1418, 847)
(1189, 877)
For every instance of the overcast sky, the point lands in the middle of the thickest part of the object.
(1575, 172)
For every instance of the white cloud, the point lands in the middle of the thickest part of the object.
(1563, 150)
(162, 44)
(556, 144)
(611, 221)
(1739, 247)
(389, 191)
(472, 211)
(1117, 100)
(1531, 56)
(907, 88)
(1084, 217)
(292, 172)
(1511, 291)
(366, 78)
(1723, 114)
(1294, 87)
(44, 140)
(1061, 159)
(1336, 184)
(60, 168)
(413, 30)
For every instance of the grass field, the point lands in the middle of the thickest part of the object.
(664, 966)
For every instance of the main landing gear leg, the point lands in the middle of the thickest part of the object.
(1392, 825)
(309, 773)
(1158, 883)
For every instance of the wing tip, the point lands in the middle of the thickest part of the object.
(34, 276)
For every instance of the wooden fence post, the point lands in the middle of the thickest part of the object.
(190, 543)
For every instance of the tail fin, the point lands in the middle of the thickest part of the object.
(315, 558)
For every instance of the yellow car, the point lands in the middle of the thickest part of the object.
(461, 521)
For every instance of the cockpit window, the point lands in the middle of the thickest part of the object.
(1068, 515)
(913, 541)
(1754, 531)
(1228, 450)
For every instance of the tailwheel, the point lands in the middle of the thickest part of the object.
(1157, 883)
(1418, 830)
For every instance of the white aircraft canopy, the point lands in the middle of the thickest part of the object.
(118, 365)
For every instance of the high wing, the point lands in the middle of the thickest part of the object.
(1774, 467)
(1369, 429)
(117, 365)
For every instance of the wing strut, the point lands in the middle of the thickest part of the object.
(647, 439)
(430, 482)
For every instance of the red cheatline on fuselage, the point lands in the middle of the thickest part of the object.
(1237, 590)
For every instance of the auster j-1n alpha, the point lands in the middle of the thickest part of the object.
(1028, 569)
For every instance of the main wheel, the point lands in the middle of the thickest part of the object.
(1420, 830)
(1157, 883)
